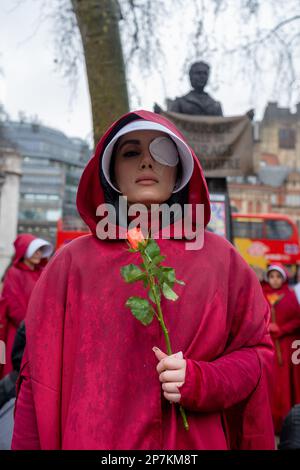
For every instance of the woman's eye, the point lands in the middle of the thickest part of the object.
(131, 153)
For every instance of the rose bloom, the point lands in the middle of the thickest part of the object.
(272, 298)
(135, 236)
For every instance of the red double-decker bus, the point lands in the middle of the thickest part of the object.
(263, 239)
(66, 232)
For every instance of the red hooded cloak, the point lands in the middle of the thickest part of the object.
(89, 377)
(18, 285)
(285, 390)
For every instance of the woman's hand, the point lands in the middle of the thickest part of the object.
(274, 330)
(171, 370)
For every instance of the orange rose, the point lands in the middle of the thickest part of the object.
(135, 236)
(272, 298)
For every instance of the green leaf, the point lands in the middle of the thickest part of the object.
(180, 282)
(165, 275)
(141, 247)
(158, 259)
(132, 273)
(152, 249)
(168, 292)
(169, 276)
(141, 309)
(151, 295)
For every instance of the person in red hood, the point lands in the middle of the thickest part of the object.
(285, 330)
(93, 377)
(19, 282)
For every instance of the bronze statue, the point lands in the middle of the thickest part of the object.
(197, 101)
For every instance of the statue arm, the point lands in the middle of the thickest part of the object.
(174, 105)
(219, 111)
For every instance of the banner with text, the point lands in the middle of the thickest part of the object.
(224, 145)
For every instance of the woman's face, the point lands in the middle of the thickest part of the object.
(275, 279)
(36, 257)
(137, 175)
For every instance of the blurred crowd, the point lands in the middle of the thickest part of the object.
(283, 296)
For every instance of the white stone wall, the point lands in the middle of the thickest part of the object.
(10, 168)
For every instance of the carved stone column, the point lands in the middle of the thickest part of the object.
(10, 174)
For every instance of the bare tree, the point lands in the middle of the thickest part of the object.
(252, 39)
(99, 28)
(247, 37)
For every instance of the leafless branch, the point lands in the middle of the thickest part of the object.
(143, 21)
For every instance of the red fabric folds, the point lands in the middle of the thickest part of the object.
(285, 390)
(18, 285)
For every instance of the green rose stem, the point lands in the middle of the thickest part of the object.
(160, 318)
(160, 281)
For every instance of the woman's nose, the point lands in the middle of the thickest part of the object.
(146, 160)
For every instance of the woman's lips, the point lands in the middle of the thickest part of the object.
(146, 180)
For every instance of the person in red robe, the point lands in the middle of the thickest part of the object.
(19, 282)
(93, 377)
(285, 332)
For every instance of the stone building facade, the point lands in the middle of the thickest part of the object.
(275, 187)
(52, 164)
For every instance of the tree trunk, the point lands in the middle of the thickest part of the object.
(99, 28)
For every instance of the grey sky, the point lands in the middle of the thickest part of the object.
(31, 83)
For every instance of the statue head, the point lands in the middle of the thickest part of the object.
(199, 73)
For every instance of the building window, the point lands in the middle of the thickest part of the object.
(53, 215)
(292, 200)
(274, 199)
(41, 197)
(287, 139)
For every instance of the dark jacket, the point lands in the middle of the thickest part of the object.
(8, 383)
(290, 434)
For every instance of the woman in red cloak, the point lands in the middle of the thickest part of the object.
(285, 330)
(89, 378)
(19, 282)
